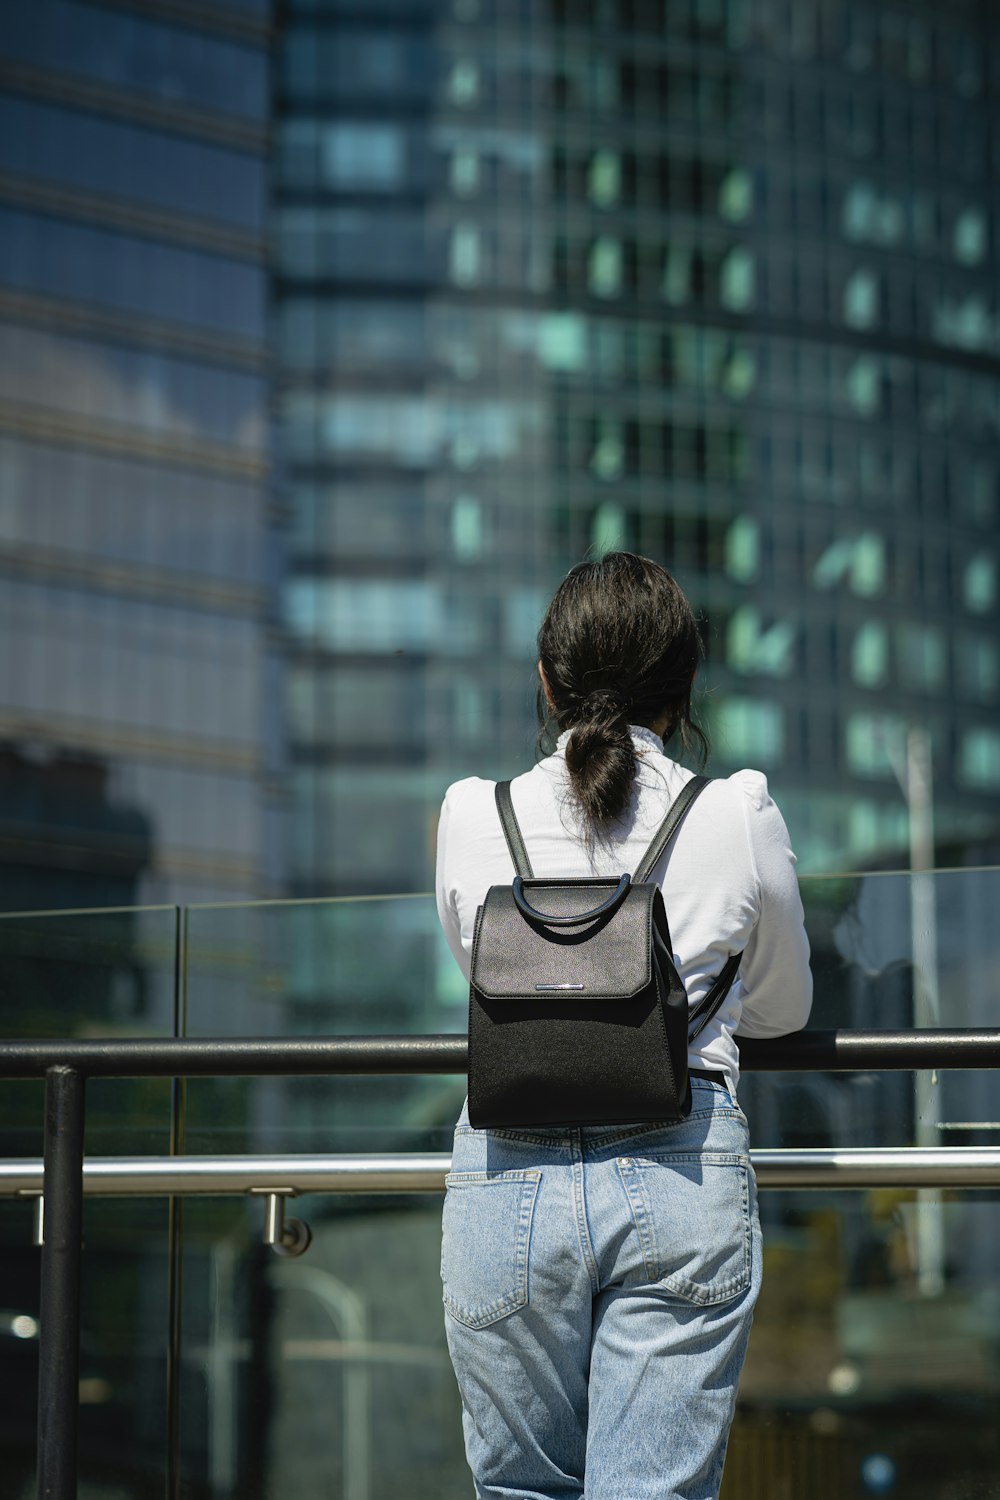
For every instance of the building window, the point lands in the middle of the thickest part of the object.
(736, 195)
(361, 156)
(860, 206)
(464, 82)
(870, 655)
(860, 560)
(607, 459)
(467, 528)
(753, 647)
(605, 267)
(739, 372)
(980, 494)
(522, 610)
(675, 287)
(977, 661)
(608, 529)
(963, 323)
(979, 759)
(742, 550)
(868, 740)
(921, 656)
(465, 172)
(751, 729)
(863, 386)
(342, 615)
(861, 299)
(979, 583)
(562, 341)
(465, 258)
(468, 710)
(873, 826)
(604, 178)
(969, 237)
(867, 572)
(737, 280)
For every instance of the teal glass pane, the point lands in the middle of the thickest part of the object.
(870, 655)
(855, 1382)
(607, 529)
(604, 178)
(736, 195)
(79, 974)
(123, 1439)
(743, 549)
(890, 952)
(327, 1375)
(748, 730)
(737, 289)
(605, 267)
(352, 967)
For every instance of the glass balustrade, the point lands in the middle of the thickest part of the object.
(874, 1365)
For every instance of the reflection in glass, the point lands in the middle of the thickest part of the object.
(140, 55)
(97, 155)
(100, 266)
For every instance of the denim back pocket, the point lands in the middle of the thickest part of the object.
(485, 1242)
(692, 1219)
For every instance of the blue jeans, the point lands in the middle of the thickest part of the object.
(599, 1285)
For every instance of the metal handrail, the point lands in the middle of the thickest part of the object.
(425, 1172)
(246, 1057)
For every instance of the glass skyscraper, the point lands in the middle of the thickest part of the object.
(134, 763)
(713, 279)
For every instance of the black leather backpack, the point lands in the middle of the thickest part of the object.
(577, 1014)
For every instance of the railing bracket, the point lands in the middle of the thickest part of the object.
(286, 1237)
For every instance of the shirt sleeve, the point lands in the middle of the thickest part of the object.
(445, 890)
(774, 974)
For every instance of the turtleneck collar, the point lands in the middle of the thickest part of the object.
(643, 739)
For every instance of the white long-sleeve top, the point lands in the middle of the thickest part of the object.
(728, 881)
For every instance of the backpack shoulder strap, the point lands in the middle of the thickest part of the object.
(661, 838)
(703, 1012)
(511, 832)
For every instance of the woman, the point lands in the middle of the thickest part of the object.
(600, 1281)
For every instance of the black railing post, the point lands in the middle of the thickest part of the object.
(59, 1315)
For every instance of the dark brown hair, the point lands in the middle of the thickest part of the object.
(619, 645)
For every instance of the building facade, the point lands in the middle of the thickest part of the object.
(134, 762)
(714, 280)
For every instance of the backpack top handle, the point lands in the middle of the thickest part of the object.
(575, 919)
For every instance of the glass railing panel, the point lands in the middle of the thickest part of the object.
(355, 1328)
(329, 1374)
(105, 973)
(851, 1279)
(857, 1381)
(304, 1376)
(325, 1375)
(891, 951)
(288, 969)
(81, 974)
(123, 1341)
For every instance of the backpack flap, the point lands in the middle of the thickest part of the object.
(515, 957)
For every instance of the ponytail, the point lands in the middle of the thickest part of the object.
(619, 645)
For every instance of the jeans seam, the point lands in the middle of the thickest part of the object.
(580, 1213)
